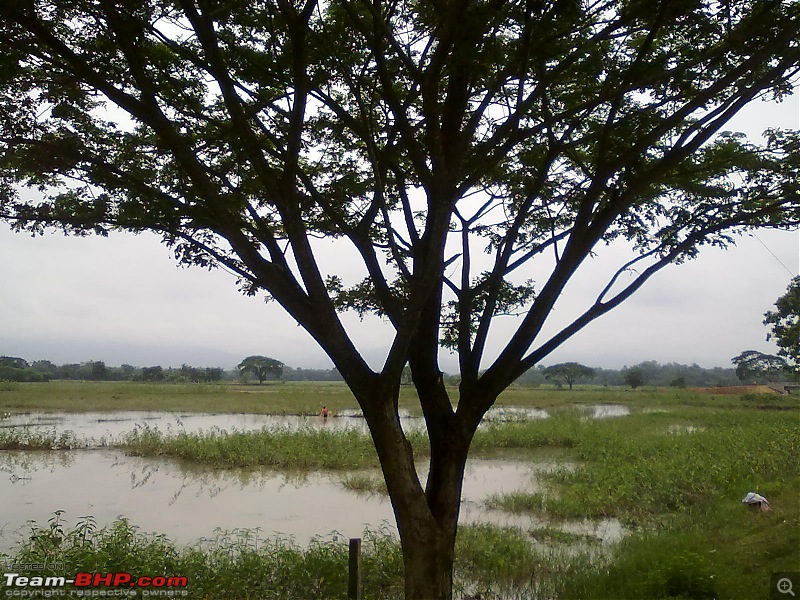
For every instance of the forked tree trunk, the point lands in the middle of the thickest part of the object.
(427, 519)
(427, 530)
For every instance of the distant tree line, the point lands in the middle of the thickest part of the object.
(13, 368)
(647, 373)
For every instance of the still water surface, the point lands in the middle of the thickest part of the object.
(98, 425)
(189, 503)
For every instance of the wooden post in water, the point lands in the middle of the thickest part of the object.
(354, 579)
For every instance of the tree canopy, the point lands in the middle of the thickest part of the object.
(569, 372)
(752, 364)
(784, 323)
(634, 377)
(262, 367)
(472, 154)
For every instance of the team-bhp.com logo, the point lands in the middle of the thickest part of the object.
(94, 585)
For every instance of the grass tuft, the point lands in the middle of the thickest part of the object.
(15, 438)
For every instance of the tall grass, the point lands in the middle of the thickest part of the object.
(490, 562)
(283, 449)
(648, 464)
(290, 449)
(233, 565)
(18, 438)
(720, 550)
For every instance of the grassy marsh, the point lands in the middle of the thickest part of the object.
(674, 471)
(292, 397)
(307, 397)
(295, 450)
(304, 449)
(491, 562)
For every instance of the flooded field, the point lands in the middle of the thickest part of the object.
(189, 503)
(555, 466)
(99, 426)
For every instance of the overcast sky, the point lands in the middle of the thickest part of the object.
(122, 299)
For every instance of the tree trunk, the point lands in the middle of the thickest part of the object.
(428, 559)
(427, 519)
(427, 526)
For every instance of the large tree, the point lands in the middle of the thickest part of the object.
(473, 154)
(569, 372)
(784, 323)
(752, 364)
(262, 367)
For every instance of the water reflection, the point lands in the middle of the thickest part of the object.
(97, 428)
(514, 413)
(605, 411)
(188, 503)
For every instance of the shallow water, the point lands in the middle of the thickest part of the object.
(98, 426)
(605, 411)
(187, 503)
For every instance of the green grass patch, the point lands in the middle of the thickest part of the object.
(14, 438)
(559, 536)
(650, 463)
(719, 551)
(304, 449)
(501, 562)
(235, 565)
(772, 401)
(365, 484)
(637, 467)
(516, 502)
(271, 397)
(562, 429)
(307, 397)
(490, 561)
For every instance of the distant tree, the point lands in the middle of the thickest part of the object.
(212, 374)
(195, 374)
(153, 374)
(262, 367)
(127, 372)
(97, 370)
(69, 371)
(785, 324)
(678, 382)
(301, 374)
(45, 366)
(569, 372)
(634, 377)
(8, 373)
(755, 365)
(14, 362)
